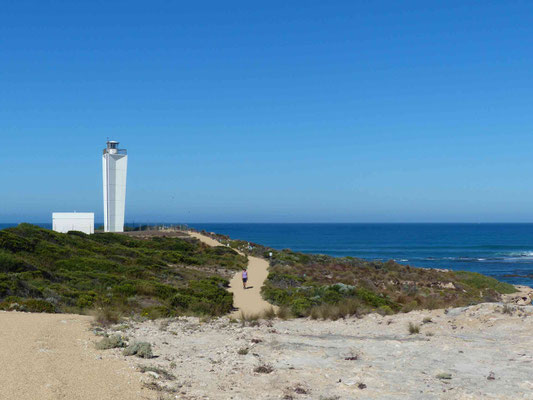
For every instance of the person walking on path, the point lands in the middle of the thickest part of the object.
(244, 278)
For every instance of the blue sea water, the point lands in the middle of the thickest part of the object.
(503, 251)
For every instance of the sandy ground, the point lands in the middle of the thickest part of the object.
(247, 300)
(487, 353)
(52, 356)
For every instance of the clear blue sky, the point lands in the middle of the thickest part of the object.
(282, 111)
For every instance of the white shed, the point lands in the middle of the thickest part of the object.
(64, 222)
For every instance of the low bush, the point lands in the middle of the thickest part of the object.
(264, 369)
(478, 281)
(110, 342)
(139, 349)
(155, 312)
(14, 303)
(163, 373)
(314, 285)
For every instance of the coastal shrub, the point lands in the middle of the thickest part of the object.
(384, 287)
(10, 263)
(371, 298)
(182, 301)
(300, 307)
(264, 369)
(285, 280)
(344, 309)
(275, 295)
(385, 310)
(124, 274)
(15, 243)
(284, 313)
(139, 349)
(155, 312)
(28, 305)
(332, 296)
(38, 306)
(478, 281)
(413, 329)
(110, 342)
(315, 312)
(106, 316)
(206, 296)
(86, 300)
(412, 305)
(269, 313)
(163, 373)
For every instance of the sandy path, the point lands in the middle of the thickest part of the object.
(248, 301)
(51, 356)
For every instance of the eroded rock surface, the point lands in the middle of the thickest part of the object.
(478, 352)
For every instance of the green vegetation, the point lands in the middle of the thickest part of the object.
(156, 276)
(110, 342)
(139, 349)
(478, 281)
(114, 274)
(326, 287)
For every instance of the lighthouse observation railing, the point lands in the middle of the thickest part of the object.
(116, 151)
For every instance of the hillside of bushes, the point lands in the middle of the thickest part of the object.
(321, 286)
(42, 270)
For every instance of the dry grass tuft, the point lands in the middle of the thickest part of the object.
(284, 313)
(249, 319)
(507, 309)
(106, 316)
(269, 313)
(344, 309)
(413, 329)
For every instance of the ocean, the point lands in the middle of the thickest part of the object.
(503, 251)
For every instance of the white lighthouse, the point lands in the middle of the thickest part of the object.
(115, 166)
